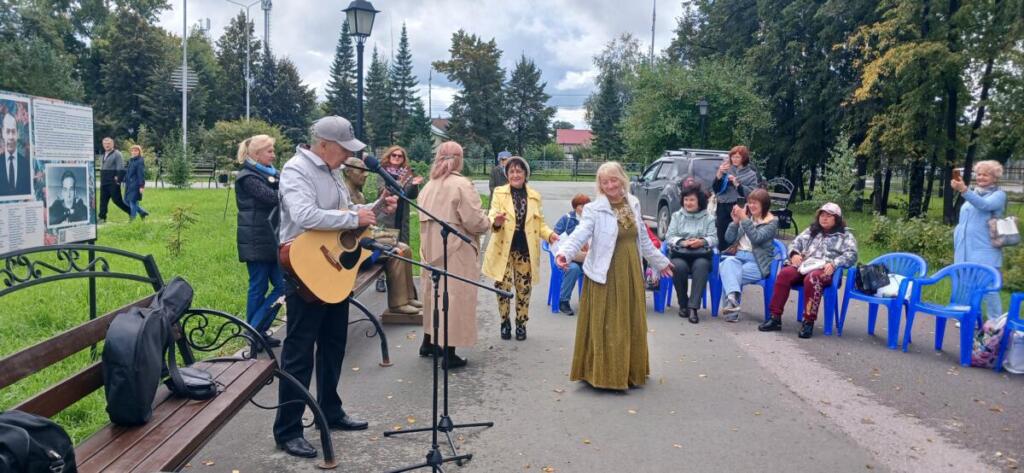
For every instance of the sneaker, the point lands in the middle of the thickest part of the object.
(770, 325)
(381, 285)
(565, 308)
(806, 330)
(732, 304)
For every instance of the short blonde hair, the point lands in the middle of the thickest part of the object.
(136, 147)
(990, 167)
(252, 145)
(615, 170)
(447, 160)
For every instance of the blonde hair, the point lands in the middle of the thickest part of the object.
(252, 145)
(612, 169)
(392, 149)
(447, 160)
(990, 167)
(136, 147)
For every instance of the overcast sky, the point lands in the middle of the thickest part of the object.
(561, 36)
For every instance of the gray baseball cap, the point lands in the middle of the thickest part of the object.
(338, 130)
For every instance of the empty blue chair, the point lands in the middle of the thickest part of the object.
(908, 265)
(1013, 323)
(968, 284)
(663, 296)
(555, 284)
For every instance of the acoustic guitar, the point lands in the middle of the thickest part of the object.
(325, 263)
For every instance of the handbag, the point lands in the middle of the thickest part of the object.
(811, 264)
(871, 278)
(684, 252)
(1003, 231)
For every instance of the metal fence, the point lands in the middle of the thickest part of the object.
(569, 168)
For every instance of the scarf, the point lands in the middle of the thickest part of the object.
(399, 173)
(268, 170)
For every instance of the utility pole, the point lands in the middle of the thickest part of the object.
(184, 77)
(654, 17)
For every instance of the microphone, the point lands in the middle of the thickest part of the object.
(371, 244)
(374, 165)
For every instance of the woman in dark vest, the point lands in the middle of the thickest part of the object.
(256, 196)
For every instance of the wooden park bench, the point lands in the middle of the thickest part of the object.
(179, 427)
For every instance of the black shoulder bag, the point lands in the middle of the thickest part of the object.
(871, 277)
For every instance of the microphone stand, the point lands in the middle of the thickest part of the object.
(445, 423)
(434, 457)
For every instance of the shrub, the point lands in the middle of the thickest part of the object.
(222, 140)
(837, 183)
(933, 241)
(177, 163)
(1013, 269)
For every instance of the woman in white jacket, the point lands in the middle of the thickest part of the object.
(611, 332)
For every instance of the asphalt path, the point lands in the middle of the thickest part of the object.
(721, 398)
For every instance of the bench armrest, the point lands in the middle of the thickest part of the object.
(198, 335)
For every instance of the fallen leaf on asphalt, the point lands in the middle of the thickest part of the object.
(757, 413)
(208, 462)
(996, 409)
(235, 471)
(702, 375)
(676, 445)
(661, 380)
(355, 368)
(999, 454)
(397, 427)
(867, 421)
(390, 397)
(671, 412)
(734, 429)
(399, 380)
(374, 438)
(631, 411)
(559, 390)
(548, 469)
(586, 441)
(460, 438)
(411, 420)
(869, 467)
(412, 336)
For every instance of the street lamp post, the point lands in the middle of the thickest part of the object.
(702, 106)
(359, 16)
(248, 76)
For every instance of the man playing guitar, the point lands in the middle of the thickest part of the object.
(313, 197)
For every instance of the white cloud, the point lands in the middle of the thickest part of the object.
(561, 36)
(441, 96)
(577, 80)
(576, 116)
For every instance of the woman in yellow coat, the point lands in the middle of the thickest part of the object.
(513, 254)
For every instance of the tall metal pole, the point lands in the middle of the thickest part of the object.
(654, 18)
(184, 77)
(248, 78)
(359, 87)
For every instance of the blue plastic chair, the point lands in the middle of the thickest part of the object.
(555, 284)
(1013, 323)
(663, 296)
(969, 283)
(908, 265)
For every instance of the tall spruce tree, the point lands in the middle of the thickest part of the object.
(476, 110)
(231, 57)
(380, 104)
(604, 120)
(282, 99)
(529, 116)
(403, 83)
(341, 87)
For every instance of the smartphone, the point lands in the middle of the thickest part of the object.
(742, 201)
(957, 174)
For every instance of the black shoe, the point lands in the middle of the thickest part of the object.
(565, 308)
(427, 348)
(684, 312)
(520, 332)
(693, 316)
(452, 360)
(771, 325)
(298, 447)
(348, 423)
(806, 330)
(506, 330)
(272, 342)
(381, 285)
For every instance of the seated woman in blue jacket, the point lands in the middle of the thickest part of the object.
(566, 224)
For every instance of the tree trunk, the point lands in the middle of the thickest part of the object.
(949, 207)
(972, 146)
(813, 181)
(916, 190)
(798, 179)
(862, 171)
(885, 191)
(931, 180)
(876, 190)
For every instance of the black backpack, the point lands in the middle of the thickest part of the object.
(34, 444)
(187, 382)
(871, 278)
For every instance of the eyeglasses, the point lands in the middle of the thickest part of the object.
(397, 155)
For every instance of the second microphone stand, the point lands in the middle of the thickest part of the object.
(445, 423)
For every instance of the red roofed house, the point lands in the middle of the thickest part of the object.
(571, 140)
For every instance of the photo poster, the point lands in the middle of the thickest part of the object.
(48, 179)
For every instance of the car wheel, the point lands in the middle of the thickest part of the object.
(663, 221)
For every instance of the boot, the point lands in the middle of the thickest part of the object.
(506, 330)
(693, 316)
(520, 332)
(427, 348)
(771, 325)
(452, 360)
(806, 330)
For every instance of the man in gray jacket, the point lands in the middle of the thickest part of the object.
(111, 173)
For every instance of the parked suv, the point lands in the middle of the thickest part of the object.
(658, 186)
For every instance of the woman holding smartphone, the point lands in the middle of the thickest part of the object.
(734, 179)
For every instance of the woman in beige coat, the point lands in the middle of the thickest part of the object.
(452, 198)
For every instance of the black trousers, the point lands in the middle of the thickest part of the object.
(319, 327)
(108, 191)
(683, 269)
(723, 217)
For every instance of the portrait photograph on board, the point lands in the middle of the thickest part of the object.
(66, 195)
(15, 141)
